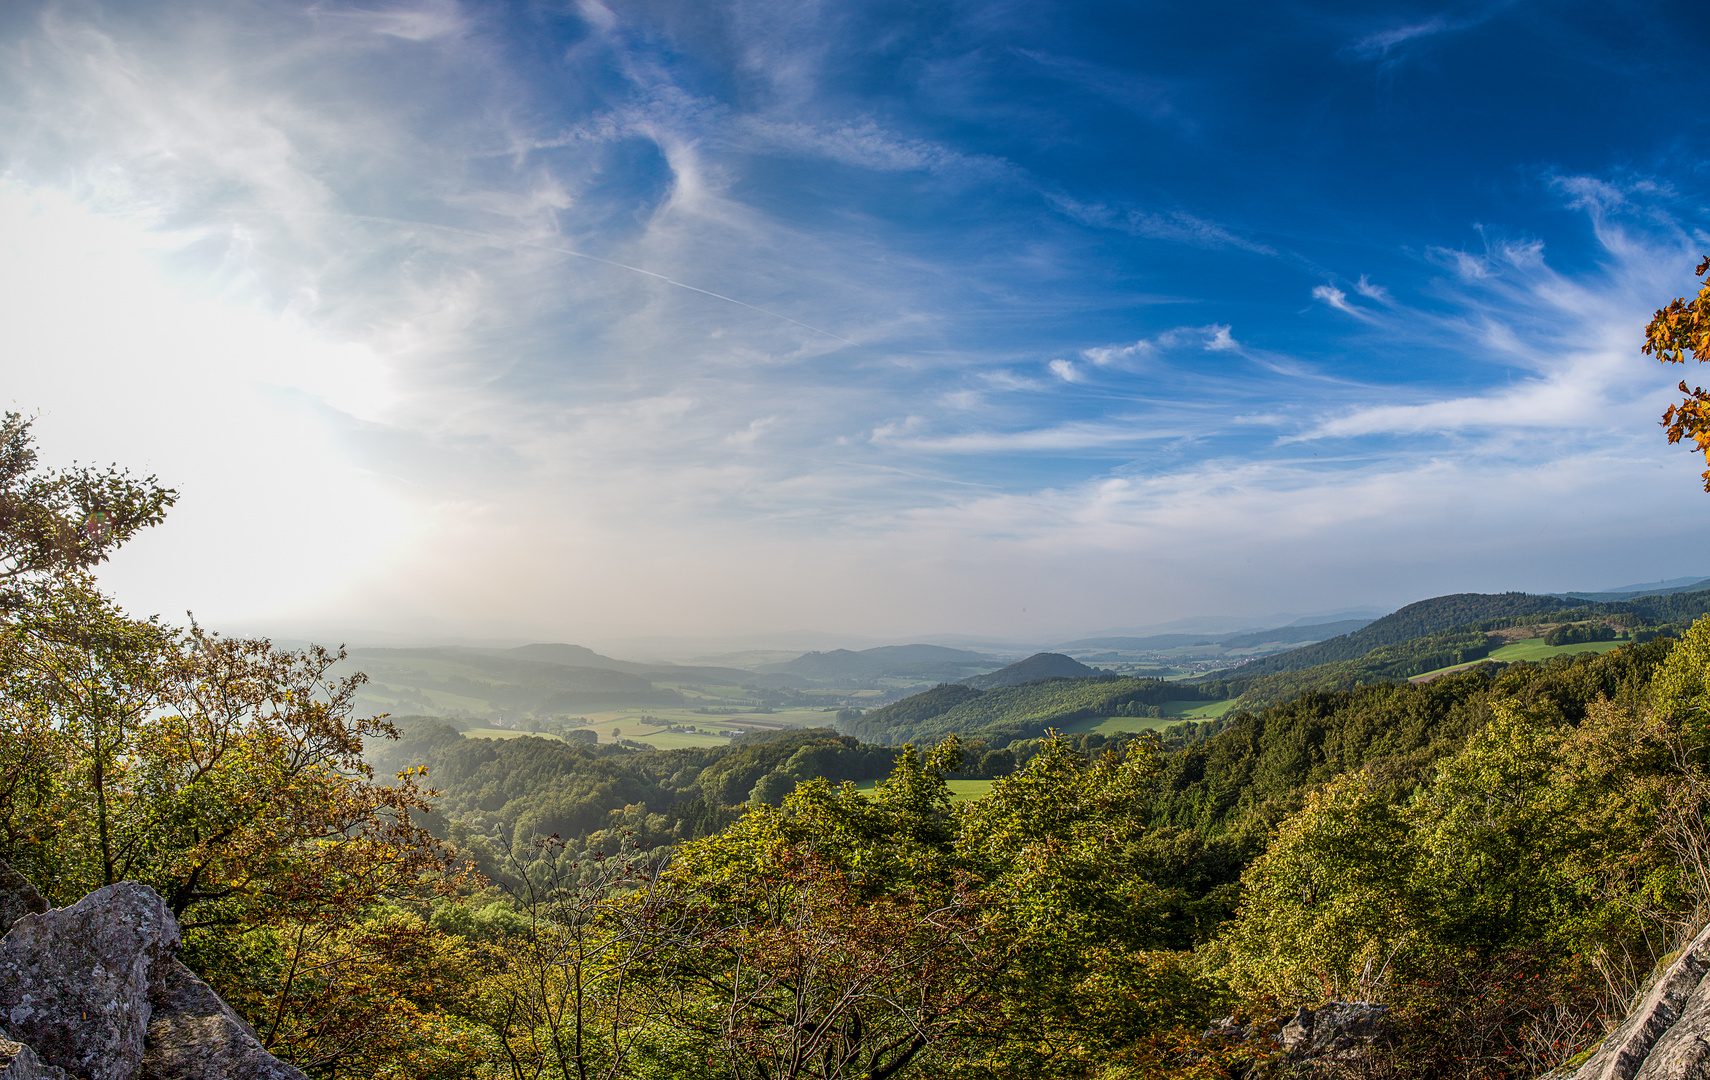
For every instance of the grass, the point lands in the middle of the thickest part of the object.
(745, 720)
(1196, 710)
(489, 733)
(680, 740)
(960, 790)
(1530, 649)
(1535, 650)
(1114, 725)
(966, 790)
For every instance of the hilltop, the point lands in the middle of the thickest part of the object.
(1045, 665)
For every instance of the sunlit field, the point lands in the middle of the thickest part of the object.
(1532, 650)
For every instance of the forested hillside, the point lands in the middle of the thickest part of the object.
(1639, 619)
(1037, 666)
(1012, 712)
(1416, 620)
(1285, 635)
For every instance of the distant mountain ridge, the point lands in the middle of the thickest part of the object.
(936, 663)
(577, 656)
(1633, 592)
(1238, 639)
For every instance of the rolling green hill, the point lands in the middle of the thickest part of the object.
(436, 678)
(1268, 681)
(1012, 712)
(1045, 665)
(1417, 620)
(1445, 617)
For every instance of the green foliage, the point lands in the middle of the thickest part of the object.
(54, 522)
(1579, 634)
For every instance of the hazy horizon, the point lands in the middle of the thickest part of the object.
(677, 323)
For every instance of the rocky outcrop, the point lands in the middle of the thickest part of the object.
(94, 992)
(18, 897)
(196, 1036)
(1336, 1031)
(74, 982)
(19, 1062)
(1667, 1035)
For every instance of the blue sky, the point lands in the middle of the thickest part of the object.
(601, 322)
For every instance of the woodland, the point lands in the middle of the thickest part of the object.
(1500, 854)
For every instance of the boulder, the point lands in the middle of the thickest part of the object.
(1334, 1032)
(194, 1035)
(19, 1062)
(95, 992)
(75, 982)
(1335, 1029)
(18, 897)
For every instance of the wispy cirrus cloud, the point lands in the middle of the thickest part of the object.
(1178, 226)
(1336, 298)
(1384, 44)
(529, 310)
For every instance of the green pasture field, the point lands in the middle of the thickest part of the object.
(960, 790)
(381, 698)
(687, 715)
(630, 725)
(677, 740)
(1114, 725)
(489, 733)
(1535, 650)
(1531, 649)
(1196, 710)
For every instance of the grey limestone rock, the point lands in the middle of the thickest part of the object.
(1683, 1051)
(1334, 1029)
(19, 1062)
(193, 1035)
(75, 982)
(1671, 1019)
(18, 897)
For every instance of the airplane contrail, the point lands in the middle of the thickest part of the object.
(506, 242)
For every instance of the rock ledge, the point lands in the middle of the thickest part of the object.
(94, 991)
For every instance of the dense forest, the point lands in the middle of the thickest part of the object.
(1498, 855)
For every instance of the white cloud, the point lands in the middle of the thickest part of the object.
(1120, 355)
(1221, 339)
(424, 22)
(306, 274)
(1338, 299)
(1373, 292)
(1066, 371)
(747, 437)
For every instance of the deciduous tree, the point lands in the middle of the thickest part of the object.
(1678, 331)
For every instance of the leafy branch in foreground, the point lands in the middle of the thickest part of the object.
(1677, 331)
